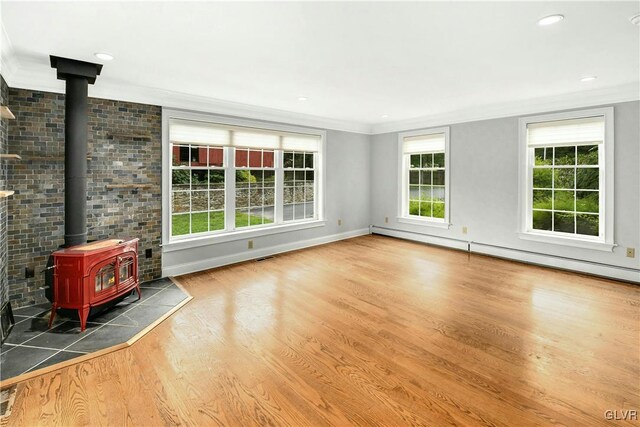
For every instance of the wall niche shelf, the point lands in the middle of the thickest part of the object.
(6, 113)
(6, 193)
(126, 186)
(10, 157)
(133, 136)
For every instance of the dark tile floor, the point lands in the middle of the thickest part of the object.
(31, 345)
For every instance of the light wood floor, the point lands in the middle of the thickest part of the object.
(369, 331)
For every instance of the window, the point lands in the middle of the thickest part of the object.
(424, 180)
(568, 163)
(227, 177)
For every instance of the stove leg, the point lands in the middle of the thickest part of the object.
(53, 315)
(83, 313)
(138, 291)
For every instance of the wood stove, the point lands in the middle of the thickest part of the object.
(93, 274)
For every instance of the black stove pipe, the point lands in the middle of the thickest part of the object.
(77, 75)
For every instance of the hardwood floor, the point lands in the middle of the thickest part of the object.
(368, 331)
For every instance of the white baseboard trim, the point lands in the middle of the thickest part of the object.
(424, 238)
(596, 269)
(192, 267)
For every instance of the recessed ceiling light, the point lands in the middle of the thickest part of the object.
(303, 98)
(103, 56)
(635, 20)
(588, 78)
(551, 19)
(384, 116)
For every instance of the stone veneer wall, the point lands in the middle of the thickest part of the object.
(36, 214)
(4, 287)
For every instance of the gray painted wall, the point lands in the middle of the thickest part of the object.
(484, 154)
(346, 198)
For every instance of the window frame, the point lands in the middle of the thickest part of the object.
(403, 180)
(605, 242)
(171, 243)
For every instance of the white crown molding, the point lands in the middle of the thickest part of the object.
(587, 98)
(36, 75)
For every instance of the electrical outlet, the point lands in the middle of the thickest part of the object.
(29, 272)
(386, 220)
(631, 252)
(464, 230)
(339, 222)
(250, 244)
(148, 253)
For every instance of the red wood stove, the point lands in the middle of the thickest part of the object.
(92, 274)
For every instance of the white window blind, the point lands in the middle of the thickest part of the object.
(423, 143)
(588, 130)
(195, 132)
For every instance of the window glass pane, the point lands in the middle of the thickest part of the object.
(180, 224)
(542, 220)
(308, 193)
(242, 179)
(199, 156)
(288, 194)
(588, 155)
(308, 209)
(242, 158)
(564, 178)
(268, 159)
(216, 220)
(216, 180)
(542, 199)
(199, 201)
(199, 222)
(438, 210)
(180, 179)
(269, 178)
(298, 194)
(438, 160)
(308, 160)
(425, 177)
(438, 194)
(425, 193)
(438, 177)
(268, 215)
(199, 179)
(287, 213)
(288, 176)
(310, 176)
(242, 218)
(298, 160)
(425, 209)
(299, 176)
(415, 160)
(564, 222)
(588, 224)
(180, 155)
(543, 156)
(588, 201)
(242, 198)
(427, 160)
(288, 159)
(414, 207)
(256, 177)
(542, 178)
(256, 196)
(269, 196)
(216, 157)
(255, 158)
(587, 178)
(216, 200)
(563, 200)
(180, 201)
(414, 177)
(565, 155)
(414, 192)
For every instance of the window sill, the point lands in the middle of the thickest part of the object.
(424, 222)
(568, 241)
(194, 242)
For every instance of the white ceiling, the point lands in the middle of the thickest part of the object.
(354, 61)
